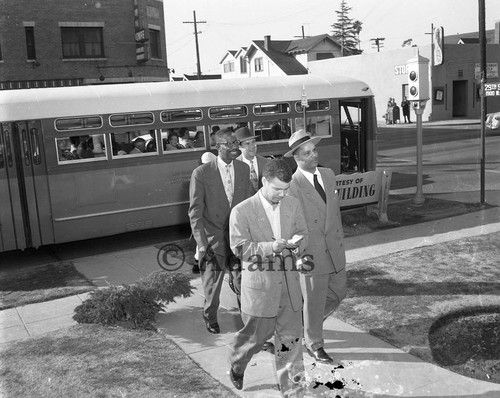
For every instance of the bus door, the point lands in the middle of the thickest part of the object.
(25, 219)
(353, 139)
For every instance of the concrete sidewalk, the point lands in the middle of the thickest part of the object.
(370, 367)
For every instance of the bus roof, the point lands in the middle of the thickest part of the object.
(136, 97)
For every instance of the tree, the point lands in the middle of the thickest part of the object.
(346, 31)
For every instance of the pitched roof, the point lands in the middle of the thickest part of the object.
(277, 53)
(468, 40)
(305, 45)
(455, 39)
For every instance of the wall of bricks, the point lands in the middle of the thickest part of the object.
(119, 28)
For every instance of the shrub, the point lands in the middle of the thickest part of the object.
(137, 304)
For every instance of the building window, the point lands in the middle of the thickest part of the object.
(243, 65)
(81, 42)
(155, 43)
(30, 42)
(320, 56)
(229, 67)
(259, 64)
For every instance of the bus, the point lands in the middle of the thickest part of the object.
(92, 161)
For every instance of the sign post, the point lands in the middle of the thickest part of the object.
(305, 104)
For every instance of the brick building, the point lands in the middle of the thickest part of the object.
(80, 42)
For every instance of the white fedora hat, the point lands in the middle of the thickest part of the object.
(300, 138)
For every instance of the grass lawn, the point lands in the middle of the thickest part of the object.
(397, 297)
(97, 361)
(26, 285)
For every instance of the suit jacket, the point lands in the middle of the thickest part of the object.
(261, 162)
(323, 221)
(262, 275)
(208, 206)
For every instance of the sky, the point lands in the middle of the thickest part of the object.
(231, 24)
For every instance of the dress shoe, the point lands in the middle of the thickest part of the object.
(268, 346)
(320, 355)
(211, 327)
(236, 379)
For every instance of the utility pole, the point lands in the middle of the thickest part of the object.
(484, 106)
(198, 66)
(378, 42)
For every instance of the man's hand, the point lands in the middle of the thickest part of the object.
(279, 245)
(202, 251)
(294, 241)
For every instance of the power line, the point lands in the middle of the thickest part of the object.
(198, 66)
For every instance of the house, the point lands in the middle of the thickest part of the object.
(491, 36)
(278, 57)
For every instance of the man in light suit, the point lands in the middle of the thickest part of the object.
(215, 188)
(248, 147)
(324, 286)
(269, 232)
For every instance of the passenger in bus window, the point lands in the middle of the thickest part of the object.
(212, 135)
(184, 138)
(151, 142)
(139, 146)
(199, 140)
(172, 142)
(84, 151)
(75, 141)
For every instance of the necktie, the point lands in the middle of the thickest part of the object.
(228, 184)
(253, 177)
(319, 188)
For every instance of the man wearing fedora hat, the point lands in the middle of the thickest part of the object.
(324, 286)
(248, 147)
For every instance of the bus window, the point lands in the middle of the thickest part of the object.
(181, 115)
(130, 119)
(137, 142)
(272, 130)
(80, 148)
(78, 123)
(183, 138)
(271, 109)
(321, 105)
(316, 125)
(225, 112)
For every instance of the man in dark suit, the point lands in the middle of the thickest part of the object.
(215, 188)
(324, 286)
(248, 147)
(269, 232)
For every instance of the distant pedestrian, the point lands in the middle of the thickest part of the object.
(405, 105)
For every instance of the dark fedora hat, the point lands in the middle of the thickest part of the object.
(244, 133)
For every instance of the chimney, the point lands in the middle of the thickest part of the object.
(267, 42)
